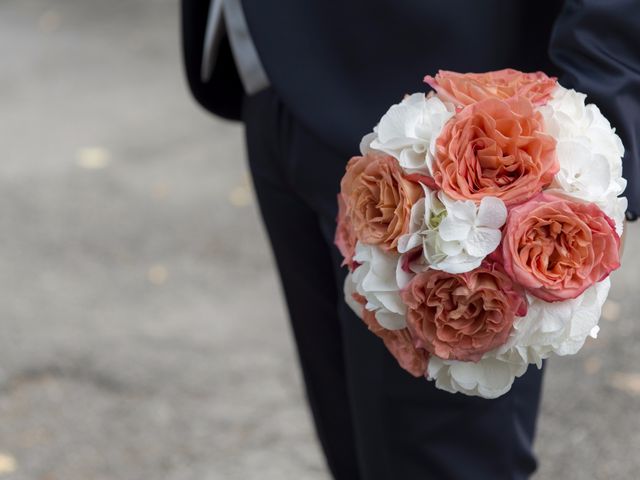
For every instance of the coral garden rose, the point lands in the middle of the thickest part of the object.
(345, 237)
(462, 316)
(495, 148)
(466, 88)
(556, 248)
(378, 199)
(399, 342)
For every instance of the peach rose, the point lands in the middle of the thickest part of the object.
(467, 88)
(495, 148)
(556, 248)
(462, 316)
(399, 343)
(378, 199)
(345, 237)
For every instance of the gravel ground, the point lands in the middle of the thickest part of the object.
(130, 245)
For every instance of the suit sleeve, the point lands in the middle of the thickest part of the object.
(596, 46)
(223, 94)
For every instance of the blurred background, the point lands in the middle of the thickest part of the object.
(142, 332)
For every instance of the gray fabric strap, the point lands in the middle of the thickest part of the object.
(250, 68)
(212, 37)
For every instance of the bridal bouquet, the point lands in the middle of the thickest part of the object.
(480, 225)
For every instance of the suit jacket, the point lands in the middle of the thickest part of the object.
(339, 65)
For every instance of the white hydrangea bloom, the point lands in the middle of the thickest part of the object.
(375, 279)
(455, 235)
(488, 378)
(555, 327)
(589, 153)
(409, 130)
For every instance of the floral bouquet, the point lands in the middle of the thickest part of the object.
(480, 226)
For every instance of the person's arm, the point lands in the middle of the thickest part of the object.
(596, 46)
(221, 92)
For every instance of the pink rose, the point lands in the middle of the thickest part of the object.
(378, 199)
(466, 88)
(345, 238)
(556, 248)
(462, 316)
(495, 148)
(399, 343)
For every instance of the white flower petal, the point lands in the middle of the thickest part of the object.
(451, 228)
(583, 173)
(391, 321)
(375, 278)
(408, 130)
(450, 248)
(391, 301)
(398, 123)
(463, 210)
(365, 143)
(411, 159)
(459, 264)
(482, 241)
(412, 239)
(492, 213)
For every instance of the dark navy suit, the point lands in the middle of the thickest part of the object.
(335, 67)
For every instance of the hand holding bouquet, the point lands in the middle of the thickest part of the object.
(480, 226)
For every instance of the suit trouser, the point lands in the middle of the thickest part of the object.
(374, 420)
